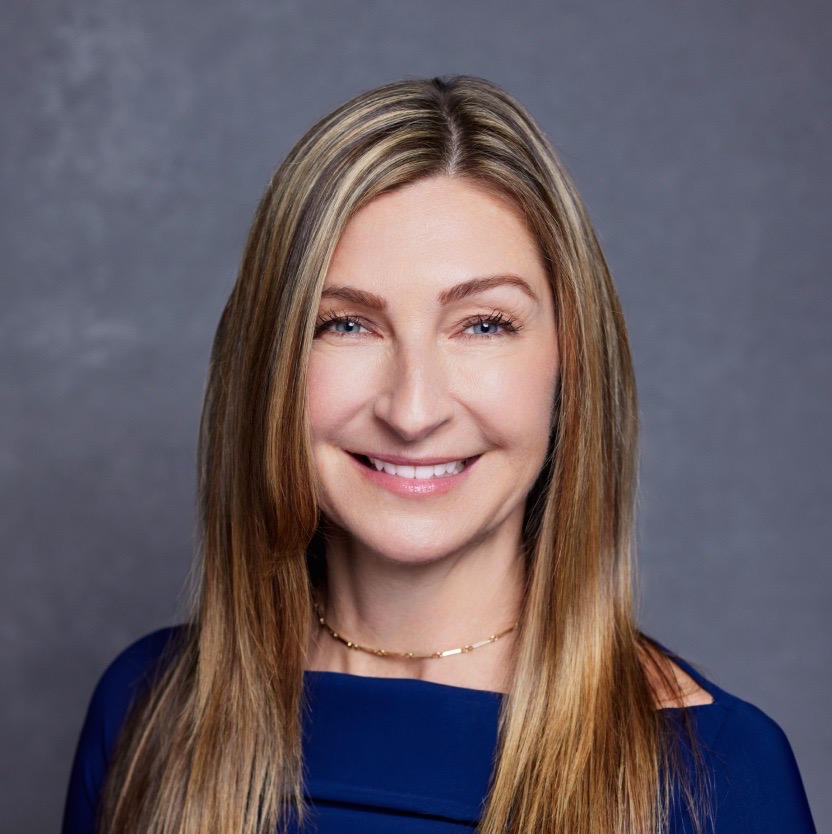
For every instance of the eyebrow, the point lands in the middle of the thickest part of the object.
(475, 285)
(356, 296)
(456, 293)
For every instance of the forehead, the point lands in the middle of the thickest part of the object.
(435, 232)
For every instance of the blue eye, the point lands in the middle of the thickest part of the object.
(342, 325)
(483, 328)
(346, 326)
(494, 325)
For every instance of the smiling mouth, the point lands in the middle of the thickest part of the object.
(418, 473)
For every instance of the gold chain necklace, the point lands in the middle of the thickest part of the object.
(406, 655)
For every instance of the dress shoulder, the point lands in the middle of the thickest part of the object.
(124, 680)
(755, 781)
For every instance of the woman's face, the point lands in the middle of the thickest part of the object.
(433, 373)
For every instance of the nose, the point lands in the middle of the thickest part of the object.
(414, 399)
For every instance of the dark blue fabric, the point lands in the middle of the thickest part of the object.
(399, 755)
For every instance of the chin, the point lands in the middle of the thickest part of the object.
(411, 554)
(403, 544)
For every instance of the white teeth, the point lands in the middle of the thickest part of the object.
(420, 473)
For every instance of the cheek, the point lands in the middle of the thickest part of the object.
(340, 385)
(329, 394)
(516, 398)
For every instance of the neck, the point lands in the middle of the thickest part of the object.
(448, 603)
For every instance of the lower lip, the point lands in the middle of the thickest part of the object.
(414, 486)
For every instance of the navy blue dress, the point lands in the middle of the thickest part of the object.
(401, 755)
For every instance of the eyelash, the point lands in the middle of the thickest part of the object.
(501, 320)
(326, 320)
(506, 322)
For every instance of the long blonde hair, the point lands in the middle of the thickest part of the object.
(215, 746)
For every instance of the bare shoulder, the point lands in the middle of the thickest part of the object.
(672, 685)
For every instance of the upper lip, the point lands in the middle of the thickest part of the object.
(399, 460)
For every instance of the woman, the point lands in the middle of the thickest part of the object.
(417, 475)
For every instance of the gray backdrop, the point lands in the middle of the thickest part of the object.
(136, 140)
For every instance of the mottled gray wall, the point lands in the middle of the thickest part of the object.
(136, 139)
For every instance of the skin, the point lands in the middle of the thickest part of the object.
(420, 379)
(424, 378)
